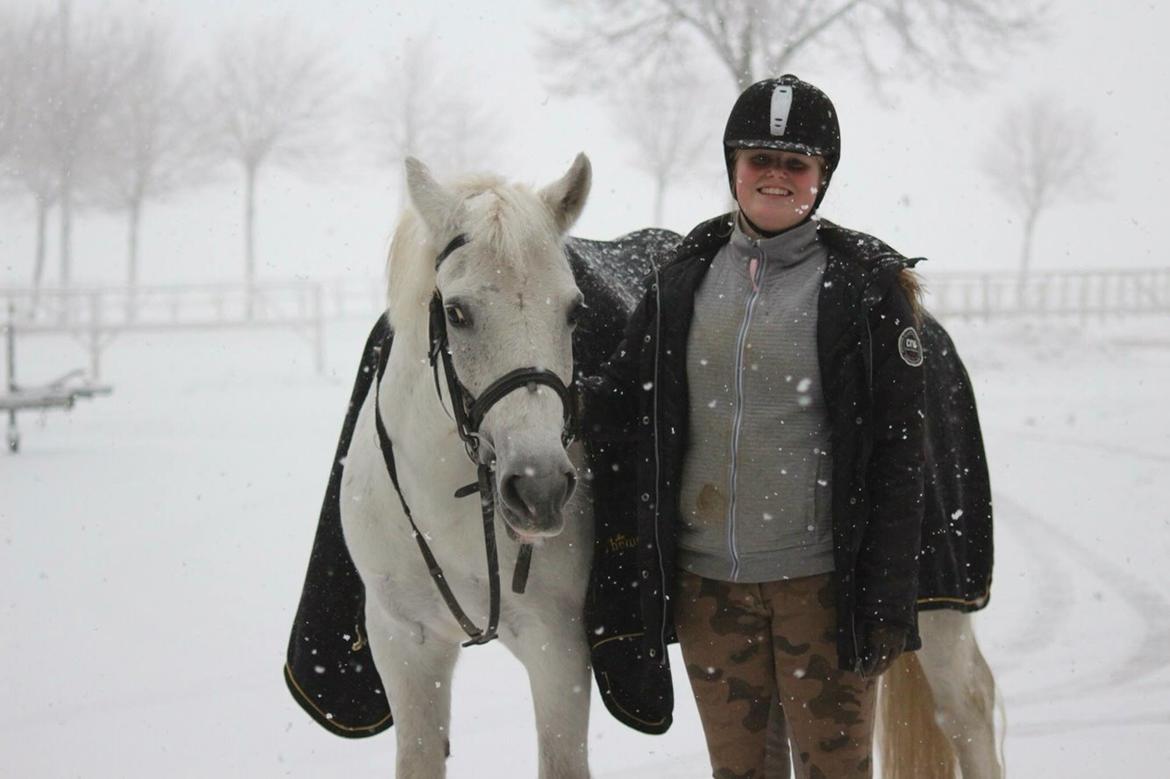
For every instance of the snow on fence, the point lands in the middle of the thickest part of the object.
(98, 315)
(1077, 294)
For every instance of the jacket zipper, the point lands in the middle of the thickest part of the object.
(865, 306)
(737, 422)
(662, 580)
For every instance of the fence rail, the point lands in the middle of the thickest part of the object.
(96, 315)
(1080, 294)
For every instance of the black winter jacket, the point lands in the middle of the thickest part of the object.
(636, 426)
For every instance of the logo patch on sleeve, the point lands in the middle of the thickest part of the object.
(910, 347)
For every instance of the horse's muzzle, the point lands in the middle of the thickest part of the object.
(534, 500)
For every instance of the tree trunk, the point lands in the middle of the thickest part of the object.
(132, 261)
(66, 227)
(66, 191)
(39, 256)
(249, 240)
(1026, 256)
(659, 199)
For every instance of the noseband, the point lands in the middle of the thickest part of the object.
(468, 412)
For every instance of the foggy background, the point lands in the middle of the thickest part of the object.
(925, 164)
(153, 541)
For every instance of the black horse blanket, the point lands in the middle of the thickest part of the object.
(329, 669)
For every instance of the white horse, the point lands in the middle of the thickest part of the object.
(937, 706)
(509, 299)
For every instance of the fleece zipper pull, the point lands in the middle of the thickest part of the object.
(753, 272)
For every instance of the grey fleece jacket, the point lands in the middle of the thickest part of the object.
(756, 488)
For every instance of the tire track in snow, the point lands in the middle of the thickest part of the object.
(1099, 446)
(1148, 656)
(1049, 591)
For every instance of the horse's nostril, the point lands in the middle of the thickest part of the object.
(570, 485)
(510, 492)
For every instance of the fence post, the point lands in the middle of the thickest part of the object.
(12, 434)
(95, 322)
(319, 326)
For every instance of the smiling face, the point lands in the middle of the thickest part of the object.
(776, 189)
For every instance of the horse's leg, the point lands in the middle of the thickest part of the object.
(557, 660)
(963, 690)
(416, 670)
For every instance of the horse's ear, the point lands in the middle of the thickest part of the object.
(566, 196)
(438, 207)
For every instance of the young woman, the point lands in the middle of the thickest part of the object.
(771, 379)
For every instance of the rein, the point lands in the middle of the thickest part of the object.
(468, 413)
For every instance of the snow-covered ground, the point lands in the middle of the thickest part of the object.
(152, 546)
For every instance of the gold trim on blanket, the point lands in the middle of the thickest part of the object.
(325, 716)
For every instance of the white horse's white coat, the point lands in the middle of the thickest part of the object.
(963, 690)
(514, 287)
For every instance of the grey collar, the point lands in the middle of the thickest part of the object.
(789, 248)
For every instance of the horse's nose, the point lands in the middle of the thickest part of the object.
(538, 497)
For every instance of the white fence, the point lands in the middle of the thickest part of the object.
(1078, 294)
(96, 316)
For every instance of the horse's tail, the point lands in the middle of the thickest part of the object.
(910, 743)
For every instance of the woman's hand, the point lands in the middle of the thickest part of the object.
(881, 645)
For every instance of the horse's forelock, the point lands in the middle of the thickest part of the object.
(506, 222)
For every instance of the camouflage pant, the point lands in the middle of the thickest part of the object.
(746, 645)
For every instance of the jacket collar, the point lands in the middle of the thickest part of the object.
(864, 249)
(707, 237)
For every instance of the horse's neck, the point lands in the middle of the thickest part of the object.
(412, 410)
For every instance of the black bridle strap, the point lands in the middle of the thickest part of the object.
(475, 634)
(514, 380)
(456, 242)
(520, 574)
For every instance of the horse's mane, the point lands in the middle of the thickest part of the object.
(505, 221)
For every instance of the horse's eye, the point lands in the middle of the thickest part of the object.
(456, 316)
(575, 312)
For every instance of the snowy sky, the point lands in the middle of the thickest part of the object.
(1074, 419)
(910, 170)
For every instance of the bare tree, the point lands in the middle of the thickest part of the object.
(27, 160)
(152, 137)
(12, 80)
(80, 82)
(417, 109)
(655, 112)
(1038, 158)
(272, 99)
(607, 40)
(60, 79)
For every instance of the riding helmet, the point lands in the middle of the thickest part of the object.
(788, 114)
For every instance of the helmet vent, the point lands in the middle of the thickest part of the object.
(781, 106)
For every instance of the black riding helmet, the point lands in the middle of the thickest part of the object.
(788, 114)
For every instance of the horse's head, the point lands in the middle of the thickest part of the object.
(506, 296)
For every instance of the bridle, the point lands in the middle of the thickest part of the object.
(468, 410)
(468, 413)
